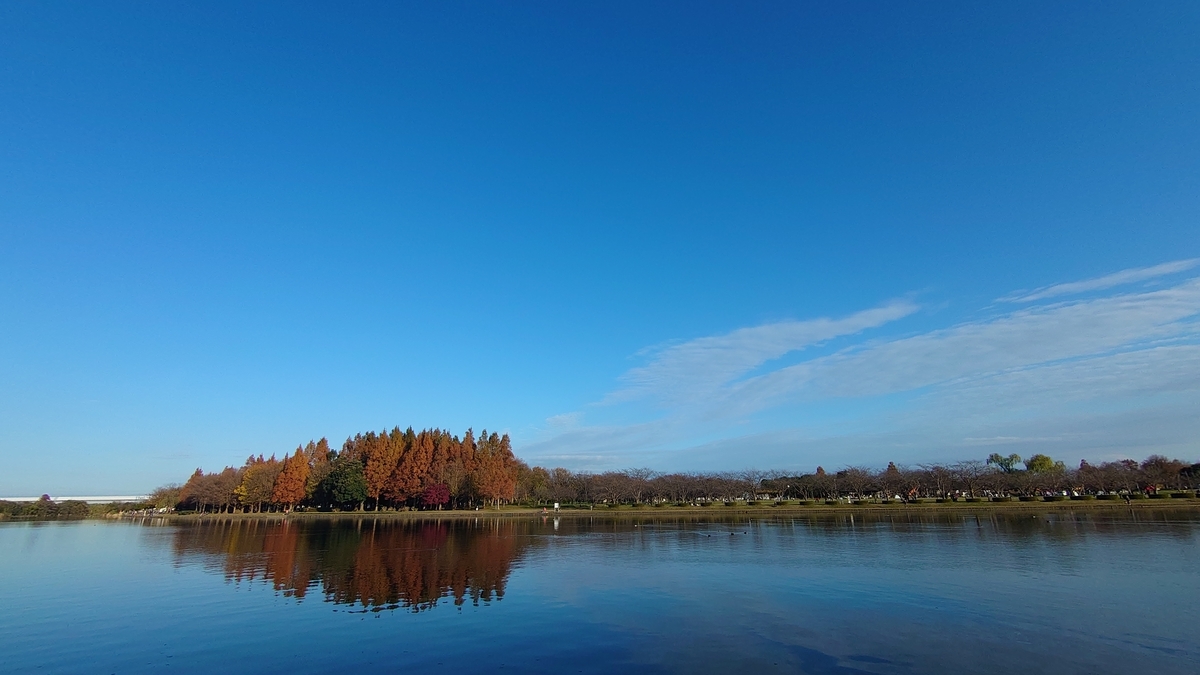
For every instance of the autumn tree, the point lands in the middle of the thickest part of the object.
(415, 467)
(292, 483)
(403, 481)
(496, 472)
(380, 457)
(189, 494)
(258, 482)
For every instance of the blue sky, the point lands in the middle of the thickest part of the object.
(677, 235)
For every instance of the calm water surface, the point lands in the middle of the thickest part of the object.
(1063, 593)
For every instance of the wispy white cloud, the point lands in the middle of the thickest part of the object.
(1048, 375)
(1024, 339)
(697, 368)
(1113, 280)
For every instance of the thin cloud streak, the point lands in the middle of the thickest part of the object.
(701, 366)
(1121, 278)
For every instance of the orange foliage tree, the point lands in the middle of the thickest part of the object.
(291, 484)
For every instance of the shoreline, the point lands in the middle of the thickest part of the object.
(761, 511)
(716, 510)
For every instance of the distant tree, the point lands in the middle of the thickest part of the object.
(751, 480)
(73, 508)
(539, 483)
(1162, 472)
(941, 478)
(891, 481)
(969, 474)
(1191, 475)
(1043, 464)
(166, 496)
(204, 491)
(857, 480)
(825, 484)
(223, 487)
(1006, 464)
(559, 485)
(1092, 478)
(44, 507)
(639, 483)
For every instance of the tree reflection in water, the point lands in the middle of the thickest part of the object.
(396, 564)
(371, 564)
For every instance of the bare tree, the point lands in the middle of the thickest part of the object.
(857, 480)
(969, 474)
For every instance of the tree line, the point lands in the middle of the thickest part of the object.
(998, 475)
(434, 469)
(45, 507)
(429, 469)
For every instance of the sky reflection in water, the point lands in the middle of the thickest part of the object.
(1085, 592)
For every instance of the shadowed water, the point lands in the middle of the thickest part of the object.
(1066, 592)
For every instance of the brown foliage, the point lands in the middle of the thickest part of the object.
(292, 482)
(388, 566)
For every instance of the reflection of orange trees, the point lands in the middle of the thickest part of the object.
(373, 564)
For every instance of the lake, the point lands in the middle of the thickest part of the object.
(1064, 592)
